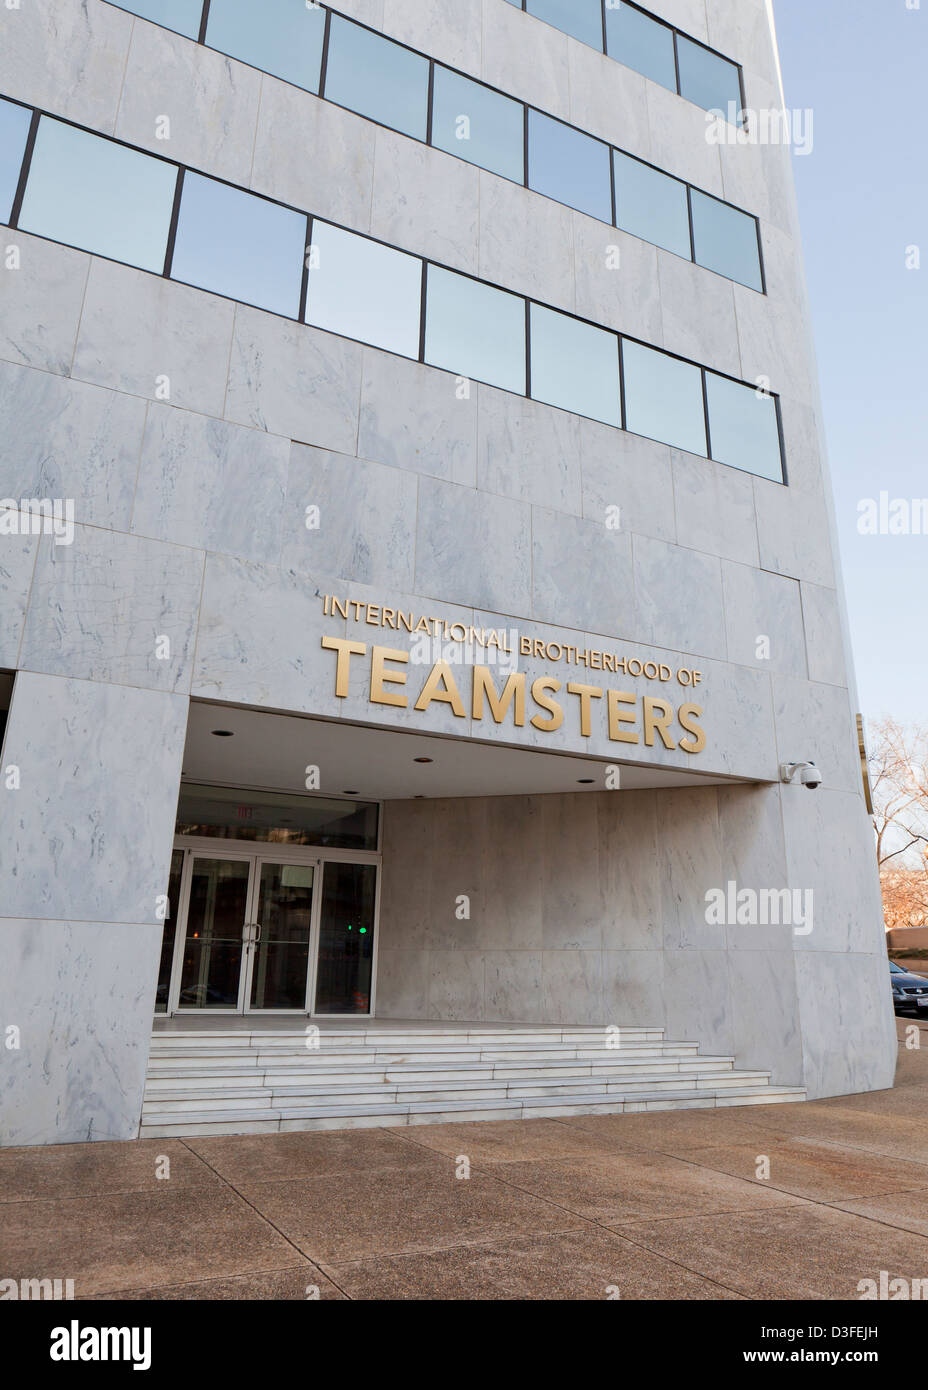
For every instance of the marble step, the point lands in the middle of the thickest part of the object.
(192, 1077)
(312, 1095)
(281, 1119)
(442, 1035)
(429, 1056)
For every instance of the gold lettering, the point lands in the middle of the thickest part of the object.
(539, 687)
(380, 677)
(340, 608)
(389, 618)
(587, 693)
(346, 650)
(447, 694)
(687, 715)
(619, 716)
(657, 716)
(372, 616)
(514, 693)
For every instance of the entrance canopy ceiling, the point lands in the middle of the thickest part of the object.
(274, 750)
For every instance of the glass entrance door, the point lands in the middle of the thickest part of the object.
(217, 910)
(279, 955)
(262, 933)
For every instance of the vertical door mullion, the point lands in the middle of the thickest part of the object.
(251, 915)
(314, 935)
(180, 932)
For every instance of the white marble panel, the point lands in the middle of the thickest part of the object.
(859, 1013)
(754, 858)
(765, 1014)
(793, 532)
(89, 831)
(366, 522)
(814, 724)
(294, 380)
(451, 33)
(573, 986)
(824, 638)
(831, 855)
(698, 313)
(260, 635)
(608, 101)
(515, 987)
(617, 280)
(63, 439)
(426, 201)
(40, 301)
(679, 597)
(211, 484)
(633, 989)
(473, 548)
(328, 169)
(17, 563)
(678, 140)
(211, 102)
(457, 985)
(714, 508)
(81, 994)
(417, 418)
(690, 858)
(528, 450)
(66, 57)
(763, 620)
(526, 241)
(741, 30)
(599, 593)
(628, 867)
(402, 983)
(154, 338)
(112, 607)
(697, 998)
(627, 481)
(526, 58)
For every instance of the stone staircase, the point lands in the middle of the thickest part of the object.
(262, 1081)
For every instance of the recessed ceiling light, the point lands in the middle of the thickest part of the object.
(423, 760)
(222, 733)
(586, 781)
(347, 792)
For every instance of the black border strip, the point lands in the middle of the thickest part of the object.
(28, 151)
(175, 215)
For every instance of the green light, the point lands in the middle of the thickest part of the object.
(364, 931)
(349, 926)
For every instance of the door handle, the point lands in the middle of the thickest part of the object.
(251, 934)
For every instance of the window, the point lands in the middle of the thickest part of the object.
(100, 196)
(582, 18)
(651, 205)
(663, 398)
(726, 240)
(183, 16)
(478, 124)
(284, 37)
(743, 427)
(278, 818)
(638, 41)
(569, 166)
(475, 330)
(14, 130)
(364, 290)
(377, 78)
(234, 243)
(707, 79)
(575, 366)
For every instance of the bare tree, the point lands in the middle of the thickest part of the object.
(899, 780)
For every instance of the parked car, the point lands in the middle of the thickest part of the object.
(910, 992)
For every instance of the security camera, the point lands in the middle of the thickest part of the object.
(806, 774)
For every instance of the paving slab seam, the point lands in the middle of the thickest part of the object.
(193, 1283)
(597, 1225)
(266, 1219)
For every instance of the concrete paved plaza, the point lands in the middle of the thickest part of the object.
(656, 1206)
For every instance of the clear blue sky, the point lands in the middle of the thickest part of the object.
(862, 67)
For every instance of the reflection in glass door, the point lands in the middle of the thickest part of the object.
(213, 945)
(283, 922)
(346, 938)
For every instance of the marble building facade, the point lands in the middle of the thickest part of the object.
(193, 431)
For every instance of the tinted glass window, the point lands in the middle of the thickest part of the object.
(582, 18)
(743, 427)
(569, 166)
(14, 128)
(181, 15)
(282, 818)
(364, 290)
(726, 240)
(475, 330)
(369, 74)
(239, 245)
(663, 398)
(283, 37)
(99, 196)
(575, 366)
(651, 205)
(478, 124)
(641, 43)
(707, 79)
